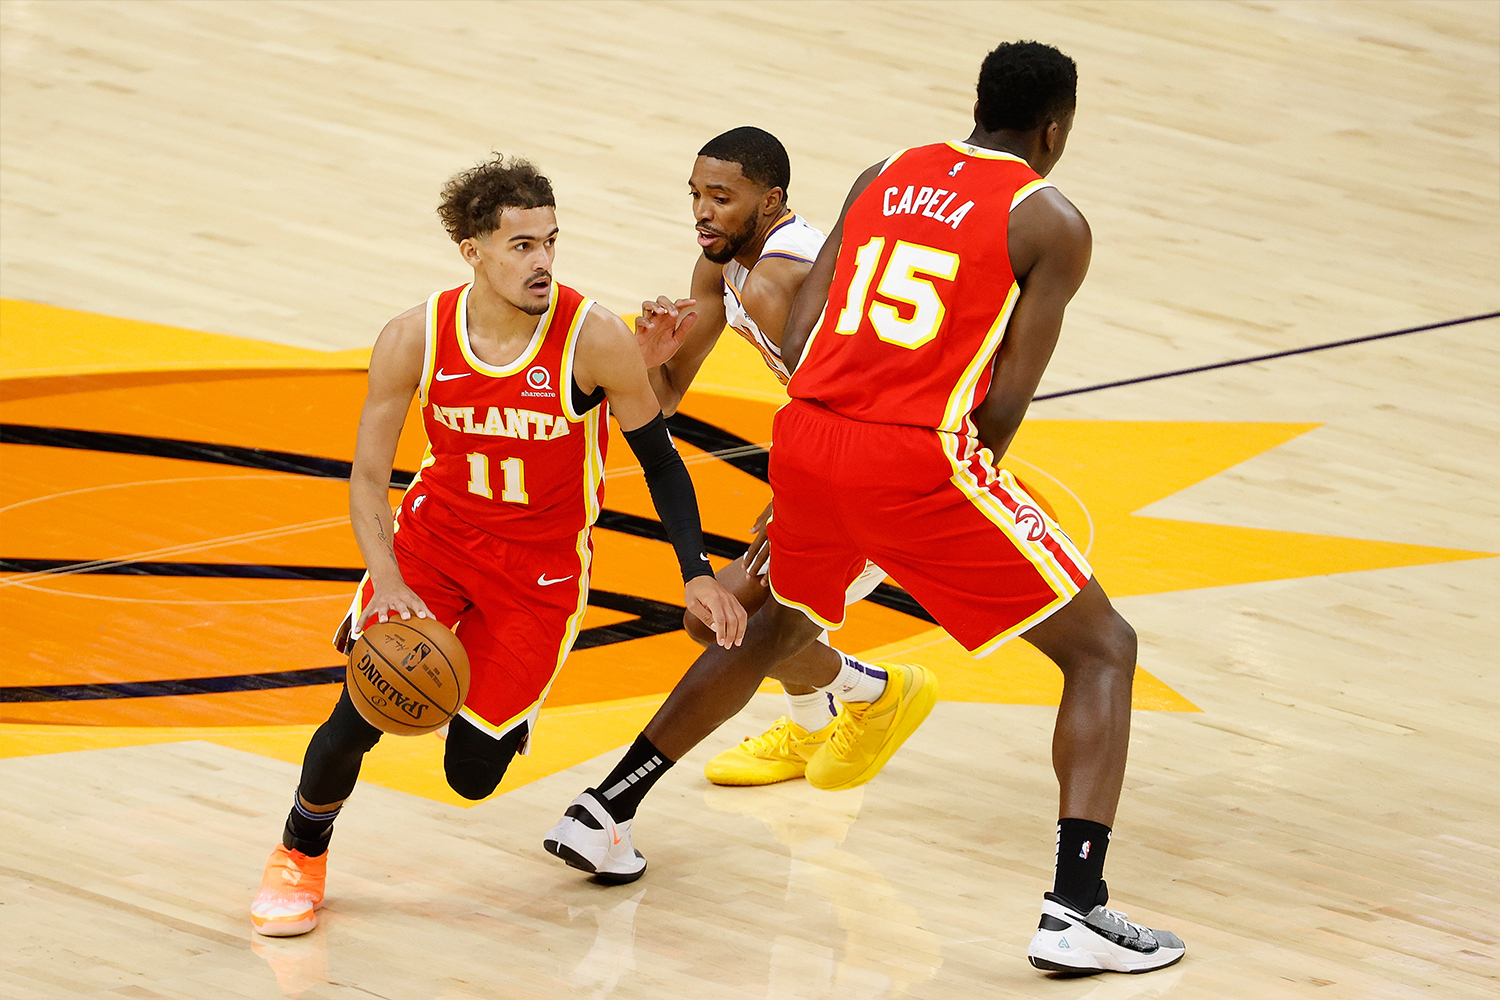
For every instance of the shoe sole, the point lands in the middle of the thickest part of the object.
(1070, 970)
(573, 859)
(749, 781)
(914, 714)
(285, 928)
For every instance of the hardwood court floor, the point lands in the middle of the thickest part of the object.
(1304, 545)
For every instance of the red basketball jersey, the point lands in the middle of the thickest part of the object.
(507, 452)
(922, 292)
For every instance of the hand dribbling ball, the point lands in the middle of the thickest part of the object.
(407, 676)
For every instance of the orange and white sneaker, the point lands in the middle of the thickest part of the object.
(291, 893)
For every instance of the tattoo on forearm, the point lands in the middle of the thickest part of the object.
(380, 533)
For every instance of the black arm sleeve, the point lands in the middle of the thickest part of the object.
(672, 494)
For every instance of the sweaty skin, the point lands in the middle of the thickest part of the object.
(676, 337)
(1049, 245)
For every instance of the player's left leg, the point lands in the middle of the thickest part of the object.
(474, 761)
(1095, 649)
(594, 834)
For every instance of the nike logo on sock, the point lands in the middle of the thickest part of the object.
(441, 377)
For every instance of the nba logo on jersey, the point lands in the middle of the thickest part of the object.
(956, 168)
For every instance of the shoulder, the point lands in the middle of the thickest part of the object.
(777, 277)
(604, 333)
(793, 239)
(1050, 213)
(1048, 227)
(405, 334)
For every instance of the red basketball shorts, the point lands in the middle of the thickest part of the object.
(968, 543)
(516, 606)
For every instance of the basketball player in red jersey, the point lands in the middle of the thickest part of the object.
(937, 302)
(512, 372)
(756, 253)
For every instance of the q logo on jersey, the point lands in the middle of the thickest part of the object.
(1030, 520)
(539, 378)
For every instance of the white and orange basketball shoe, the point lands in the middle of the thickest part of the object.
(291, 893)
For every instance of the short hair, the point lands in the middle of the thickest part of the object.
(473, 200)
(761, 156)
(1025, 85)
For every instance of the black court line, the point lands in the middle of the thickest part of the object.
(696, 432)
(1268, 357)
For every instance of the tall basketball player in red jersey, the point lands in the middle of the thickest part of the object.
(512, 371)
(937, 301)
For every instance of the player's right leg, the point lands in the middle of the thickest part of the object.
(292, 886)
(291, 889)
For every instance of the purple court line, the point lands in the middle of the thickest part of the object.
(1267, 357)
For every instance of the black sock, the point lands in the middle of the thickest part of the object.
(1081, 845)
(622, 790)
(308, 831)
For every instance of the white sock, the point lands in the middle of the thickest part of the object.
(856, 681)
(810, 711)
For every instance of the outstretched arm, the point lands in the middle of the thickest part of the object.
(812, 299)
(395, 370)
(675, 338)
(608, 357)
(1050, 246)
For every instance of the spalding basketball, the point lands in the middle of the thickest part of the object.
(408, 676)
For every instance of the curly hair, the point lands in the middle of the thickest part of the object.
(1024, 85)
(473, 200)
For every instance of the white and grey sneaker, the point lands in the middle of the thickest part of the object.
(589, 839)
(1103, 941)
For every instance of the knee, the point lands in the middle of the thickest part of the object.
(472, 777)
(697, 630)
(1117, 647)
(475, 762)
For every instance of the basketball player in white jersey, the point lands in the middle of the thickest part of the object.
(756, 252)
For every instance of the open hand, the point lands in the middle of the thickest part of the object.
(661, 328)
(395, 599)
(718, 609)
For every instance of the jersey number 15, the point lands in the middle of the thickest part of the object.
(898, 281)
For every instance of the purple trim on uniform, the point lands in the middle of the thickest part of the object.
(865, 668)
(788, 256)
(307, 813)
(791, 218)
(833, 706)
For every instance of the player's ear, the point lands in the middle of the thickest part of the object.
(471, 252)
(774, 201)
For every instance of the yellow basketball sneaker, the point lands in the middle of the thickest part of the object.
(778, 754)
(865, 735)
(291, 891)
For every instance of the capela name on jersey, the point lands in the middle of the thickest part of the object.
(511, 423)
(927, 201)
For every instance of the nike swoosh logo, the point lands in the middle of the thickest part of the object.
(449, 378)
(542, 580)
(615, 835)
(703, 557)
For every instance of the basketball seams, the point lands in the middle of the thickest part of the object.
(452, 673)
(402, 682)
(395, 671)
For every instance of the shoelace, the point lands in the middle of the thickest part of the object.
(777, 739)
(850, 729)
(1120, 925)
